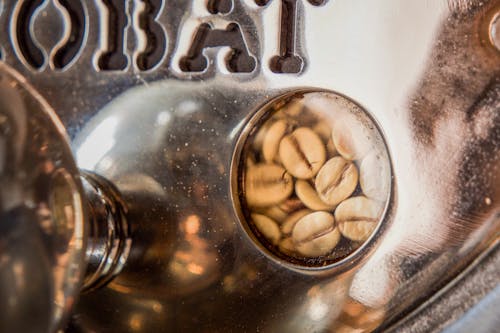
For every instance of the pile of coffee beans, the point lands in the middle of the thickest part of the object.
(314, 177)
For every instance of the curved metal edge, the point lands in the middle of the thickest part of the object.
(61, 314)
(357, 257)
(48, 110)
(448, 306)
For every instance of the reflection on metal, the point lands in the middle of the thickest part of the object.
(109, 240)
(494, 28)
(44, 224)
(42, 229)
(427, 71)
(135, 31)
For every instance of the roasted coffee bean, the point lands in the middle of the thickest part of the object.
(293, 109)
(302, 153)
(301, 169)
(286, 246)
(336, 180)
(258, 138)
(275, 213)
(351, 139)
(330, 148)
(374, 176)
(315, 234)
(290, 221)
(357, 217)
(308, 195)
(323, 129)
(267, 227)
(250, 161)
(272, 140)
(291, 205)
(267, 185)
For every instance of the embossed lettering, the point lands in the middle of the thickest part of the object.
(75, 41)
(220, 6)
(239, 60)
(152, 42)
(156, 43)
(288, 61)
(1, 12)
(114, 58)
(27, 47)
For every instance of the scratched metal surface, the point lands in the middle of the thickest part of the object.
(425, 70)
(468, 302)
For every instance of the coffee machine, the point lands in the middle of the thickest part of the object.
(249, 165)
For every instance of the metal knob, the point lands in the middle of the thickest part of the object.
(60, 230)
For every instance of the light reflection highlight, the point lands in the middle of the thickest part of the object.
(97, 144)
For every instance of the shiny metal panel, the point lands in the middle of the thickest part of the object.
(42, 225)
(427, 71)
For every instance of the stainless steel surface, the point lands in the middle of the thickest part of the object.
(482, 318)
(448, 307)
(108, 245)
(428, 72)
(494, 30)
(42, 227)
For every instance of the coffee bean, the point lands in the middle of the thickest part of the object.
(250, 161)
(330, 148)
(336, 180)
(308, 195)
(323, 129)
(272, 140)
(267, 185)
(292, 109)
(357, 217)
(286, 246)
(315, 234)
(290, 221)
(258, 138)
(302, 153)
(275, 213)
(301, 169)
(351, 138)
(291, 205)
(374, 176)
(267, 227)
